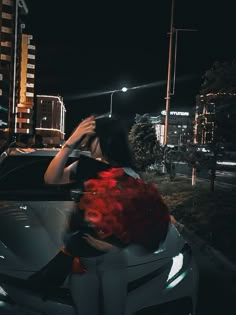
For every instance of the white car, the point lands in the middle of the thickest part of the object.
(32, 218)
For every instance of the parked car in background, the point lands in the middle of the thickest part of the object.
(32, 220)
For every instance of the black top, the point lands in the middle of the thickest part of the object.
(88, 168)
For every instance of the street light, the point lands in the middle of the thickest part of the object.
(124, 89)
(169, 75)
(169, 93)
(41, 121)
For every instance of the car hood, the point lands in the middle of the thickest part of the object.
(31, 234)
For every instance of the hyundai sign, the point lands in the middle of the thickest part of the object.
(173, 113)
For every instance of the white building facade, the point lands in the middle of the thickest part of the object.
(50, 119)
(180, 127)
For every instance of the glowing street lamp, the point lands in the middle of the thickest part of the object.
(41, 121)
(124, 89)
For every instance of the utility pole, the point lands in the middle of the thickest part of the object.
(169, 92)
(169, 75)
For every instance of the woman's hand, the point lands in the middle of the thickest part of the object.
(98, 244)
(86, 127)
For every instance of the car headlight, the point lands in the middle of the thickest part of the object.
(177, 265)
(2, 292)
(4, 297)
(178, 270)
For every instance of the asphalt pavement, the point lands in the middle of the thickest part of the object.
(224, 176)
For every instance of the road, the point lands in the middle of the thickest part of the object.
(225, 176)
(217, 279)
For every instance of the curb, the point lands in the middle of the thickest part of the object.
(218, 257)
(217, 182)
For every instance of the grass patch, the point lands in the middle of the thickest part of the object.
(211, 215)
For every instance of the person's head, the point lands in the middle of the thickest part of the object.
(110, 142)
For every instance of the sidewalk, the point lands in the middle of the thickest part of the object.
(217, 257)
(217, 277)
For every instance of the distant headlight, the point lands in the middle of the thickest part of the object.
(179, 267)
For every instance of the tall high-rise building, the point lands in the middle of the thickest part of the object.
(24, 108)
(13, 67)
(50, 119)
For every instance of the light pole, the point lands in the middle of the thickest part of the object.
(124, 89)
(169, 75)
(41, 121)
(170, 93)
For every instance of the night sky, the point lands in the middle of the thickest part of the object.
(86, 47)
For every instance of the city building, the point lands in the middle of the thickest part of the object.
(204, 123)
(50, 119)
(24, 122)
(15, 53)
(180, 127)
(215, 116)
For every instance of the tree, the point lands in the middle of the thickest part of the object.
(220, 78)
(144, 142)
(147, 149)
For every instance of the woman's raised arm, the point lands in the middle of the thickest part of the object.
(56, 172)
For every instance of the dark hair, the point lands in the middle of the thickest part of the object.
(114, 143)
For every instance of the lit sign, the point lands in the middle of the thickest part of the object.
(173, 113)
